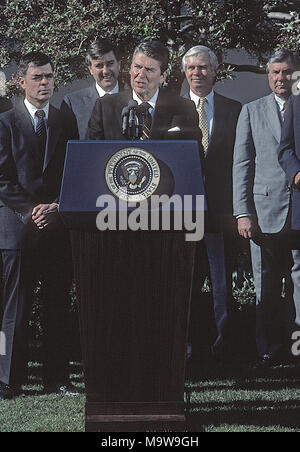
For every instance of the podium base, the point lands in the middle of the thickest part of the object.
(134, 417)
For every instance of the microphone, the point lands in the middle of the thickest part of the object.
(124, 118)
(133, 120)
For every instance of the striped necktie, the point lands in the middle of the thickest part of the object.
(203, 123)
(147, 120)
(284, 110)
(41, 126)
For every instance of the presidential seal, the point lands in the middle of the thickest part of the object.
(132, 174)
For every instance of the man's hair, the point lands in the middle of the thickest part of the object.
(199, 50)
(99, 48)
(156, 50)
(35, 58)
(283, 55)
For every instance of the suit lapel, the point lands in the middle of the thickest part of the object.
(26, 129)
(91, 95)
(218, 128)
(162, 116)
(272, 115)
(55, 129)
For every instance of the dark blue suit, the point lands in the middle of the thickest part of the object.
(215, 253)
(30, 174)
(289, 159)
(289, 155)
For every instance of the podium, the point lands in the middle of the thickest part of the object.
(133, 286)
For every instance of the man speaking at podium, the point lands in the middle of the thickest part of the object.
(167, 115)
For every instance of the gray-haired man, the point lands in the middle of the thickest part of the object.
(217, 120)
(262, 195)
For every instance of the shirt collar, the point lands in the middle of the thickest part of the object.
(102, 93)
(151, 102)
(210, 98)
(280, 102)
(32, 109)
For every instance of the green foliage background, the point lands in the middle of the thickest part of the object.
(64, 29)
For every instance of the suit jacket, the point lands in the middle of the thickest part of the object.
(171, 110)
(260, 186)
(218, 163)
(78, 106)
(5, 104)
(289, 155)
(26, 179)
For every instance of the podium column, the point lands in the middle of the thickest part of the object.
(134, 291)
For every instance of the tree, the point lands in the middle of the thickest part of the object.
(65, 28)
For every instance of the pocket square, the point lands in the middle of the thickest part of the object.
(174, 129)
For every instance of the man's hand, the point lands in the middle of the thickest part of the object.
(247, 227)
(297, 181)
(42, 214)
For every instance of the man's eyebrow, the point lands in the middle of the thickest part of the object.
(43, 73)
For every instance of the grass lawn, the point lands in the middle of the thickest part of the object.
(246, 401)
(239, 401)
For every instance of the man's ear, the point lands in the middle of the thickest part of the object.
(22, 82)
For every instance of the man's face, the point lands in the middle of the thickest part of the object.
(105, 71)
(199, 74)
(145, 76)
(38, 84)
(280, 78)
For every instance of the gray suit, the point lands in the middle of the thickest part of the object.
(262, 191)
(79, 106)
(261, 188)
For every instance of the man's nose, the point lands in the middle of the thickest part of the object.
(44, 80)
(106, 69)
(197, 71)
(142, 72)
(281, 76)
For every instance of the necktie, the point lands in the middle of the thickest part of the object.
(284, 110)
(40, 127)
(147, 120)
(203, 123)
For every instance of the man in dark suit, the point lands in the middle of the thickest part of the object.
(217, 120)
(103, 61)
(289, 159)
(34, 244)
(172, 117)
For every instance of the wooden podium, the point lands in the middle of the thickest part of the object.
(134, 292)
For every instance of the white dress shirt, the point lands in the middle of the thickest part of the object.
(151, 102)
(209, 107)
(32, 110)
(102, 93)
(281, 104)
